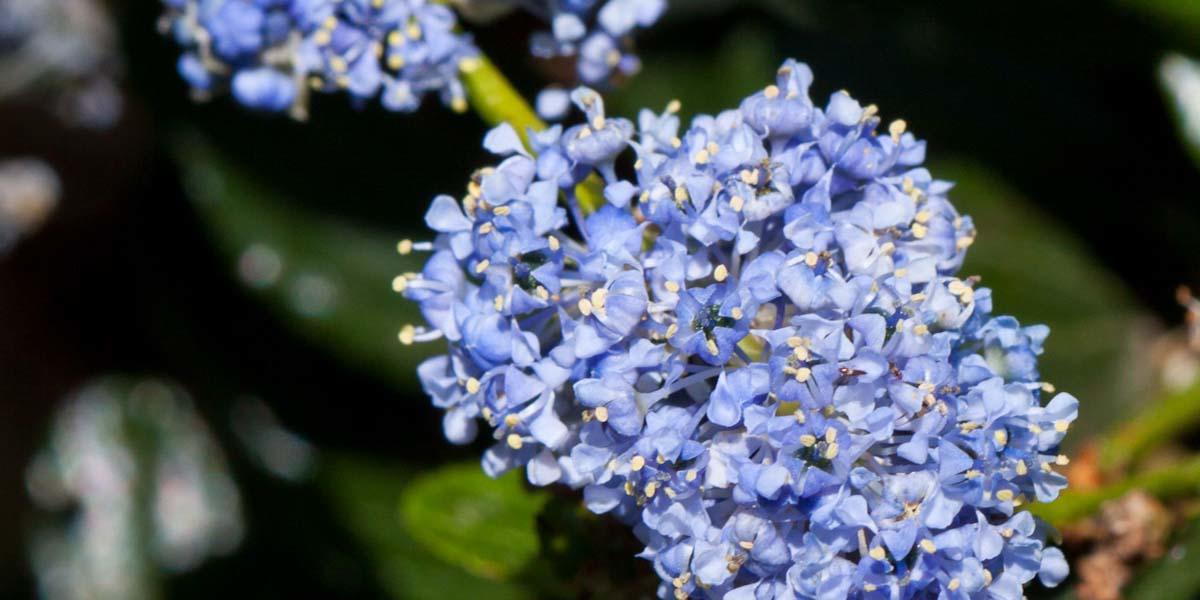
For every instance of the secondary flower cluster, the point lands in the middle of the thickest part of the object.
(755, 350)
(597, 35)
(271, 52)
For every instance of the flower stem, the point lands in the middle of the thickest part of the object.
(496, 101)
(1166, 420)
(1176, 480)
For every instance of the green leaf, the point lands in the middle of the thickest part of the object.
(1040, 273)
(367, 497)
(487, 526)
(327, 279)
(1182, 16)
(1175, 575)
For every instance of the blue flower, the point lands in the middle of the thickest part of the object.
(757, 351)
(272, 52)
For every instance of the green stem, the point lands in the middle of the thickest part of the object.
(1163, 422)
(496, 101)
(1177, 480)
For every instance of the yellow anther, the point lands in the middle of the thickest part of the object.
(672, 330)
(921, 329)
(637, 462)
(928, 545)
(413, 31)
(1001, 436)
(541, 292)
(672, 287)
(338, 64)
(736, 203)
(629, 488)
(482, 265)
(749, 176)
(869, 587)
(896, 129)
(322, 37)
(502, 211)
(681, 194)
(553, 243)
(923, 216)
(1048, 387)
(771, 92)
(395, 62)
(512, 420)
(878, 553)
(803, 374)
(407, 333)
(1062, 426)
(964, 242)
(801, 353)
(676, 142)
(887, 248)
(585, 133)
(701, 157)
(795, 341)
(487, 228)
(1022, 468)
(919, 231)
(736, 313)
(515, 442)
(1062, 460)
(1005, 495)
(585, 306)
(330, 22)
(1035, 429)
(831, 451)
(690, 475)
(602, 414)
(968, 296)
(712, 347)
(954, 584)
(721, 273)
(473, 386)
(599, 298)
(902, 272)
(651, 488)
(810, 259)
(808, 440)
(399, 284)
(673, 106)
(498, 303)
(469, 64)
(987, 577)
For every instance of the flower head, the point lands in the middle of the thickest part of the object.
(270, 53)
(757, 350)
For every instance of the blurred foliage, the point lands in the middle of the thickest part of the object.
(326, 278)
(1175, 575)
(368, 497)
(484, 525)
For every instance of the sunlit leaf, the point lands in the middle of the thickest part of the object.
(327, 279)
(367, 497)
(484, 525)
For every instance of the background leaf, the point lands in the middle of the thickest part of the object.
(1041, 273)
(487, 526)
(327, 278)
(368, 495)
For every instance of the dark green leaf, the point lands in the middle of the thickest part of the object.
(327, 279)
(1040, 273)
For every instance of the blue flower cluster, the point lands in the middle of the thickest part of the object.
(755, 351)
(270, 53)
(597, 34)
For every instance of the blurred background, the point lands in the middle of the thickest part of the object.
(201, 390)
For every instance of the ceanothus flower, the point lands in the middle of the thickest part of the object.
(271, 53)
(749, 341)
